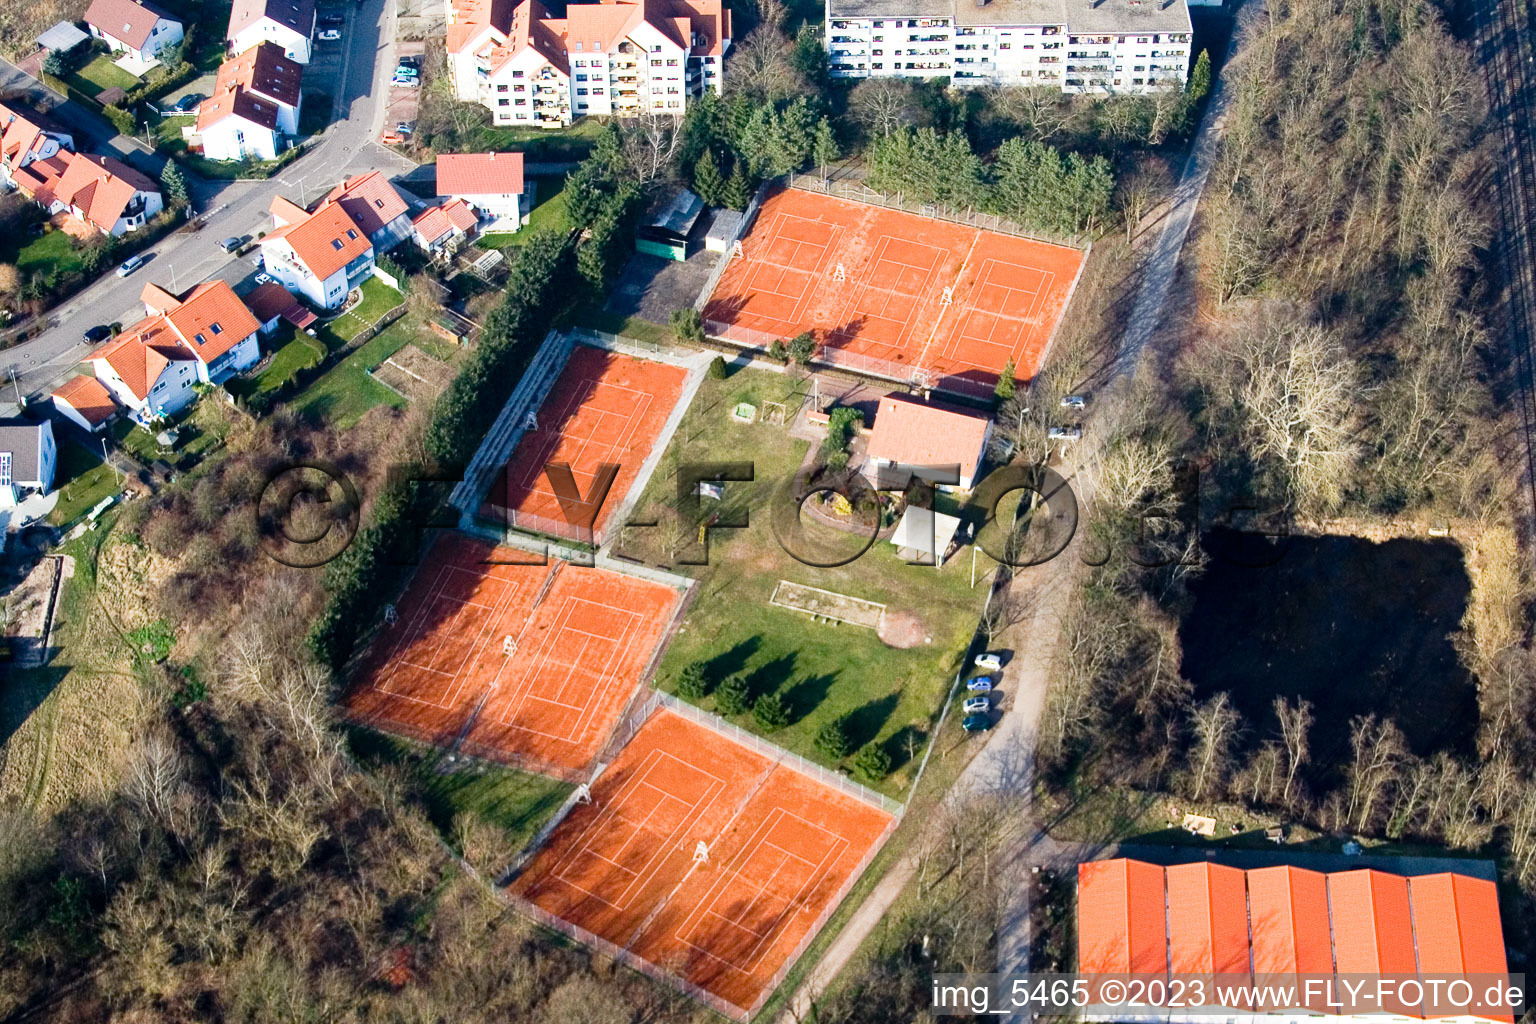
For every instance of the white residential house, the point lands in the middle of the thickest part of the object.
(101, 191)
(615, 57)
(1076, 46)
(28, 458)
(213, 324)
(85, 402)
(491, 183)
(147, 371)
(255, 103)
(444, 229)
(141, 29)
(378, 208)
(321, 255)
(27, 136)
(288, 23)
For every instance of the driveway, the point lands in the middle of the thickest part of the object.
(359, 79)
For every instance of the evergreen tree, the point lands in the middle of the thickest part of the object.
(802, 348)
(55, 64)
(776, 350)
(738, 191)
(175, 183)
(708, 182)
(1005, 385)
(733, 696)
(693, 682)
(770, 713)
(688, 325)
(872, 763)
(832, 739)
(1199, 79)
(718, 369)
(824, 148)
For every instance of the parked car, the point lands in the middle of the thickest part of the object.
(187, 103)
(405, 83)
(263, 278)
(404, 71)
(391, 138)
(232, 243)
(1074, 402)
(977, 705)
(989, 662)
(130, 264)
(414, 60)
(981, 684)
(405, 127)
(1065, 434)
(101, 332)
(329, 35)
(976, 723)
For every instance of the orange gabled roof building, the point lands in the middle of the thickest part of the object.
(1284, 924)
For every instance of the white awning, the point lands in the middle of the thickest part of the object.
(925, 532)
(63, 36)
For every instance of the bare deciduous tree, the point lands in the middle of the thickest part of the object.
(1216, 725)
(1295, 722)
(883, 105)
(1378, 753)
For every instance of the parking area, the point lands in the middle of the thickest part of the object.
(404, 100)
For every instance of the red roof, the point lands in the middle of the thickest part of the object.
(1288, 921)
(88, 397)
(370, 200)
(39, 180)
(212, 320)
(252, 86)
(22, 131)
(324, 241)
(1121, 919)
(130, 21)
(436, 221)
(479, 174)
(1207, 919)
(100, 187)
(269, 301)
(915, 433)
(141, 353)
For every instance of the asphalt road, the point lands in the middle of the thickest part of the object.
(355, 72)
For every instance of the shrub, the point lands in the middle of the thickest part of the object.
(832, 739)
(733, 696)
(778, 351)
(770, 713)
(872, 762)
(717, 369)
(120, 118)
(802, 348)
(692, 682)
(688, 325)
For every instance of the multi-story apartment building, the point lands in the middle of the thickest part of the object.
(1077, 46)
(616, 57)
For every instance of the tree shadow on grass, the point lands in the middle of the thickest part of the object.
(899, 742)
(864, 723)
(770, 676)
(733, 660)
(806, 695)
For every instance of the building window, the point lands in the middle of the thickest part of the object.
(581, 92)
(578, 47)
(501, 88)
(503, 103)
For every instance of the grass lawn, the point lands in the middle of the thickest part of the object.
(596, 318)
(45, 256)
(549, 214)
(135, 440)
(168, 131)
(101, 74)
(293, 354)
(515, 802)
(537, 144)
(378, 299)
(345, 393)
(822, 671)
(82, 480)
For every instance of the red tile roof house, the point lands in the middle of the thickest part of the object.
(492, 183)
(378, 206)
(288, 23)
(929, 441)
(321, 255)
(1284, 926)
(142, 29)
(255, 102)
(101, 191)
(85, 402)
(443, 229)
(27, 136)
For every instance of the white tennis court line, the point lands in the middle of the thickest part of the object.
(811, 273)
(663, 848)
(587, 387)
(558, 637)
(856, 304)
(496, 613)
(728, 885)
(983, 280)
(534, 472)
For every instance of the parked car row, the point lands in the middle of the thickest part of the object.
(978, 706)
(407, 72)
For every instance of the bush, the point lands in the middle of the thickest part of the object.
(120, 118)
(832, 739)
(688, 325)
(693, 682)
(872, 763)
(802, 348)
(778, 351)
(770, 713)
(717, 368)
(733, 696)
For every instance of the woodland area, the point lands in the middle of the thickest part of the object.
(1342, 373)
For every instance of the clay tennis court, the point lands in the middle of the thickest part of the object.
(781, 848)
(581, 639)
(871, 284)
(603, 408)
